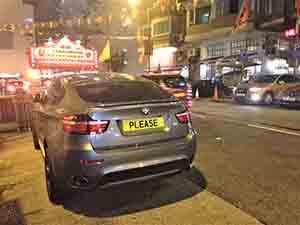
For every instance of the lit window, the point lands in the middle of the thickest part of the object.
(161, 27)
(202, 15)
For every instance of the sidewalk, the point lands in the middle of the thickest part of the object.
(8, 127)
(9, 132)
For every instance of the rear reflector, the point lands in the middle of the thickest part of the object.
(183, 117)
(91, 162)
(83, 124)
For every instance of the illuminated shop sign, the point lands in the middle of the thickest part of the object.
(63, 55)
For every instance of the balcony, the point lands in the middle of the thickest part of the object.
(280, 17)
(204, 31)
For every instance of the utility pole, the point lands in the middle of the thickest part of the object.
(149, 40)
(297, 7)
(108, 38)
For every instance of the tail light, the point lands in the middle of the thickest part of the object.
(83, 124)
(183, 117)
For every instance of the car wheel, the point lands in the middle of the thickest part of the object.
(35, 140)
(268, 98)
(239, 101)
(55, 195)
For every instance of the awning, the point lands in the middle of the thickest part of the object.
(211, 60)
(239, 65)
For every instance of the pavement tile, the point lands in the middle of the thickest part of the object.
(203, 209)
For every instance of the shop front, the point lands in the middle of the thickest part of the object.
(58, 58)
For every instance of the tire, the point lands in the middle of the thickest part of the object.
(55, 194)
(268, 98)
(239, 101)
(35, 140)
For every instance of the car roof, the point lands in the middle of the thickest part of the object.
(101, 77)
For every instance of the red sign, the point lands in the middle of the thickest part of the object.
(243, 16)
(297, 6)
(63, 55)
(290, 33)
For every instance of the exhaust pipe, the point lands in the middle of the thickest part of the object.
(80, 181)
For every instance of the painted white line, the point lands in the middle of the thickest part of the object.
(274, 130)
(199, 116)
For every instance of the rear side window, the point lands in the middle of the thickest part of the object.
(175, 82)
(107, 93)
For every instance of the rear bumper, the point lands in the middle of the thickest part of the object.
(127, 164)
(295, 104)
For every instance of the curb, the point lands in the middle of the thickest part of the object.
(14, 138)
(9, 127)
(224, 100)
(273, 125)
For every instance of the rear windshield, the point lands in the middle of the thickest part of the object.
(175, 82)
(264, 79)
(107, 93)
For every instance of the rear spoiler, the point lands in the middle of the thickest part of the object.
(107, 105)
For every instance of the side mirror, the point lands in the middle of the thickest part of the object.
(281, 82)
(37, 98)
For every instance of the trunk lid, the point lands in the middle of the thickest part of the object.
(136, 124)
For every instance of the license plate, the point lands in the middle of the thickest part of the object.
(240, 94)
(143, 124)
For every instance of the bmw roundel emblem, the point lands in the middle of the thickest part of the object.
(146, 111)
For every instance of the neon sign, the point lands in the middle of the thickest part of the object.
(63, 55)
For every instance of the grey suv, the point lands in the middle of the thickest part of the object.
(99, 130)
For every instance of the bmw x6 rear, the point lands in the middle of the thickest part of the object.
(107, 129)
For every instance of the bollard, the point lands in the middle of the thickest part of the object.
(216, 93)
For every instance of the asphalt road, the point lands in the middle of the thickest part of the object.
(250, 158)
(243, 175)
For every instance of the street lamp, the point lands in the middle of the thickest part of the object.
(127, 22)
(133, 3)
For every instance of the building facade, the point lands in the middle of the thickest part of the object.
(226, 36)
(161, 35)
(13, 42)
(94, 30)
(275, 15)
(216, 44)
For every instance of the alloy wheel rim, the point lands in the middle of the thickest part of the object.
(269, 99)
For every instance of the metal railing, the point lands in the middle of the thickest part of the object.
(16, 110)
